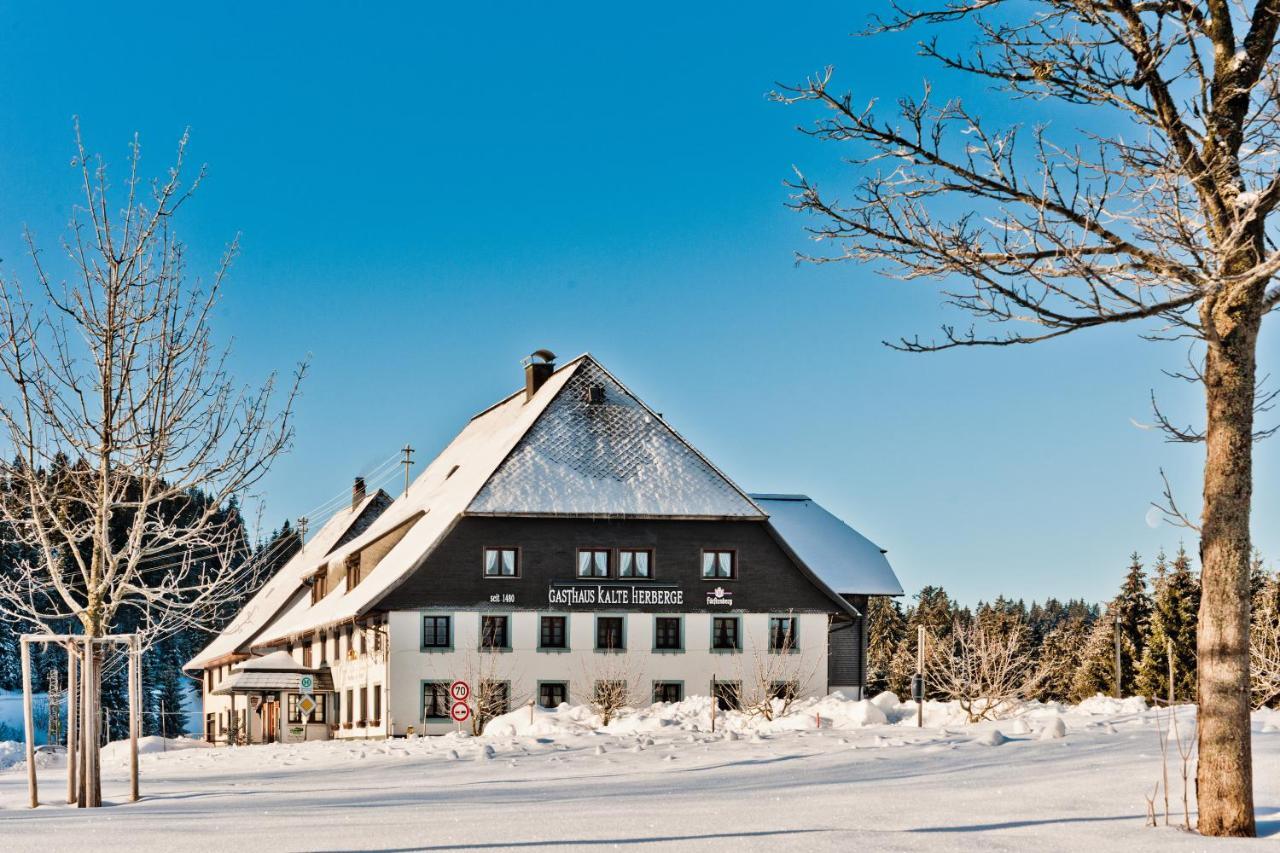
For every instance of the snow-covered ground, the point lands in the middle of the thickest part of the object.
(835, 774)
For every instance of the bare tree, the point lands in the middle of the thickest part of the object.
(778, 672)
(615, 680)
(492, 691)
(1160, 211)
(129, 438)
(1264, 660)
(986, 666)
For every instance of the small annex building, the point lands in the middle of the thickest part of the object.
(567, 539)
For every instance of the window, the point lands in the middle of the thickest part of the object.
(494, 700)
(634, 564)
(324, 645)
(306, 653)
(553, 694)
(319, 587)
(352, 566)
(364, 705)
(726, 694)
(364, 639)
(493, 632)
(609, 636)
(593, 563)
(351, 706)
(719, 564)
(436, 632)
(333, 646)
(668, 691)
(435, 700)
(611, 694)
(377, 703)
(782, 634)
(317, 714)
(666, 633)
(724, 633)
(377, 639)
(501, 563)
(786, 691)
(552, 633)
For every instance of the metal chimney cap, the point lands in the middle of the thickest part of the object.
(545, 355)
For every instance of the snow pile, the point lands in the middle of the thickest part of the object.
(544, 722)
(118, 750)
(11, 752)
(1108, 706)
(1055, 730)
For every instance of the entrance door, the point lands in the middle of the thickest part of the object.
(270, 715)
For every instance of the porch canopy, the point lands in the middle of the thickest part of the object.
(277, 671)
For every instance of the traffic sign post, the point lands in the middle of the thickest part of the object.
(460, 711)
(306, 704)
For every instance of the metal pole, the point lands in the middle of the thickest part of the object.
(28, 725)
(920, 672)
(133, 719)
(73, 716)
(1119, 695)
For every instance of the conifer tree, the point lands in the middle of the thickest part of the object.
(1061, 652)
(1097, 672)
(1131, 611)
(1173, 621)
(886, 630)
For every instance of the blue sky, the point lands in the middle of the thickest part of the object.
(426, 195)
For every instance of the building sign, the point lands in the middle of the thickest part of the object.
(720, 597)
(613, 595)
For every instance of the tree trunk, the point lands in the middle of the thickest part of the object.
(1224, 777)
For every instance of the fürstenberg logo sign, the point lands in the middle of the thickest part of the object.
(613, 595)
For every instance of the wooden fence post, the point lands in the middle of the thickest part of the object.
(73, 716)
(133, 719)
(28, 725)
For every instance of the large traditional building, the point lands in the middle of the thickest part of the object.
(568, 539)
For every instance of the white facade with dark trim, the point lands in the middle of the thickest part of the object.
(567, 537)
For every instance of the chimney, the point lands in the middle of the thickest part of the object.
(538, 367)
(357, 492)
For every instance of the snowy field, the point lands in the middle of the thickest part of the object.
(834, 775)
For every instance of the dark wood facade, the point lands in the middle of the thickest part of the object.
(767, 578)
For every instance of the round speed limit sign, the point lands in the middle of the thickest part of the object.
(460, 712)
(460, 691)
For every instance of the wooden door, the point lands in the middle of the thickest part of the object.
(270, 713)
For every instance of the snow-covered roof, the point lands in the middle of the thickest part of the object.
(599, 450)
(582, 444)
(274, 662)
(279, 593)
(845, 560)
(436, 498)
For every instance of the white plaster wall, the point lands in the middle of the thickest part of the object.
(524, 666)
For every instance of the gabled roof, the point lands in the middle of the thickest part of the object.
(554, 453)
(844, 559)
(278, 593)
(596, 450)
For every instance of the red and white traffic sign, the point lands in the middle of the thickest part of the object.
(460, 712)
(460, 691)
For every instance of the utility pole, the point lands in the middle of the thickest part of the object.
(407, 462)
(919, 677)
(303, 521)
